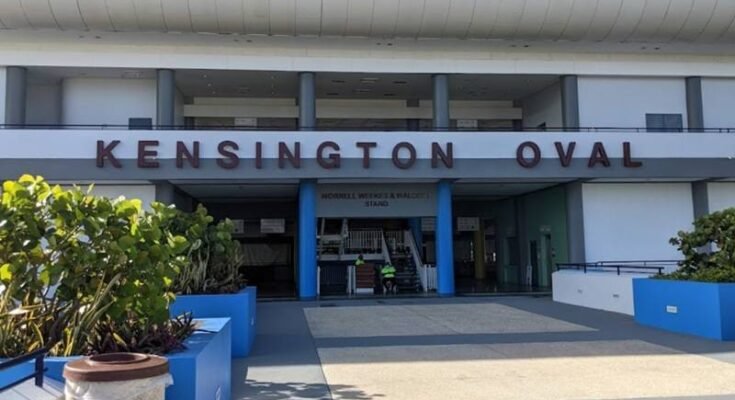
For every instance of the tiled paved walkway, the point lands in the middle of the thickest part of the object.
(473, 348)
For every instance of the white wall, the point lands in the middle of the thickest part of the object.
(721, 195)
(634, 221)
(543, 107)
(108, 101)
(623, 102)
(43, 103)
(718, 100)
(598, 290)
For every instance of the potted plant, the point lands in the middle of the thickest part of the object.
(698, 298)
(210, 284)
(83, 275)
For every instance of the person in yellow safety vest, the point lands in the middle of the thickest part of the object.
(388, 273)
(360, 261)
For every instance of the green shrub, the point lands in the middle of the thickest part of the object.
(213, 258)
(71, 262)
(709, 250)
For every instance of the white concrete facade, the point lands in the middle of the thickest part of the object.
(718, 97)
(599, 290)
(89, 101)
(634, 221)
(543, 108)
(721, 195)
(623, 102)
(595, 20)
(608, 62)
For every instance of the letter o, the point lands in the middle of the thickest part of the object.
(522, 161)
(404, 164)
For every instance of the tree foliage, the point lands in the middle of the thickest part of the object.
(213, 258)
(70, 261)
(709, 250)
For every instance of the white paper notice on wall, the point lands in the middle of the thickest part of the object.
(272, 225)
(672, 309)
(239, 225)
(428, 224)
(467, 124)
(465, 224)
(246, 121)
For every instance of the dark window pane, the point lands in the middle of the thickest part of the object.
(140, 123)
(664, 122)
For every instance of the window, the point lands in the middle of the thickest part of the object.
(664, 123)
(140, 123)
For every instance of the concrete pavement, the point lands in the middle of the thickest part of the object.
(473, 348)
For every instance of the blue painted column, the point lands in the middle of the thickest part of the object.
(307, 240)
(444, 240)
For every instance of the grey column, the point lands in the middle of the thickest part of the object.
(700, 199)
(575, 223)
(700, 202)
(413, 124)
(307, 101)
(569, 101)
(695, 109)
(15, 96)
(165, 192)
(522, 236)
(165, 97)
(441, 101)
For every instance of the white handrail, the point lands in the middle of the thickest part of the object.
(318, 280)
(408, 238)
(430, 273)
(386, 252)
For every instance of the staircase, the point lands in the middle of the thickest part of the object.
(407, 276)
(337, 255)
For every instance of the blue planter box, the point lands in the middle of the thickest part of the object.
(695, 308)
(239, 307)
(201, 372)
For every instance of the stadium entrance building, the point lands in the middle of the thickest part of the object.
(474, 144)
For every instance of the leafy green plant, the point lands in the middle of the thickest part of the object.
(70, 261)
(709, 250)
(131, 336)
(213, 257)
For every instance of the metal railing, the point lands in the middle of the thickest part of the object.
(622, 267)
(363, 241)
(38, 368)
(595, 129)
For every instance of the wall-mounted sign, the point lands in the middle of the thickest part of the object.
(272, 225)
(465, 224)
(329, 154)
(239, 225)
(250, 122)
(385, 201)
(428, 224)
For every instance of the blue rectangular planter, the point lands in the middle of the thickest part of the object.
(201, 372)
(695, 308)
(11, 375)
(239, 307)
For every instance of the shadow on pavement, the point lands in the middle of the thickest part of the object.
(296, 390)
